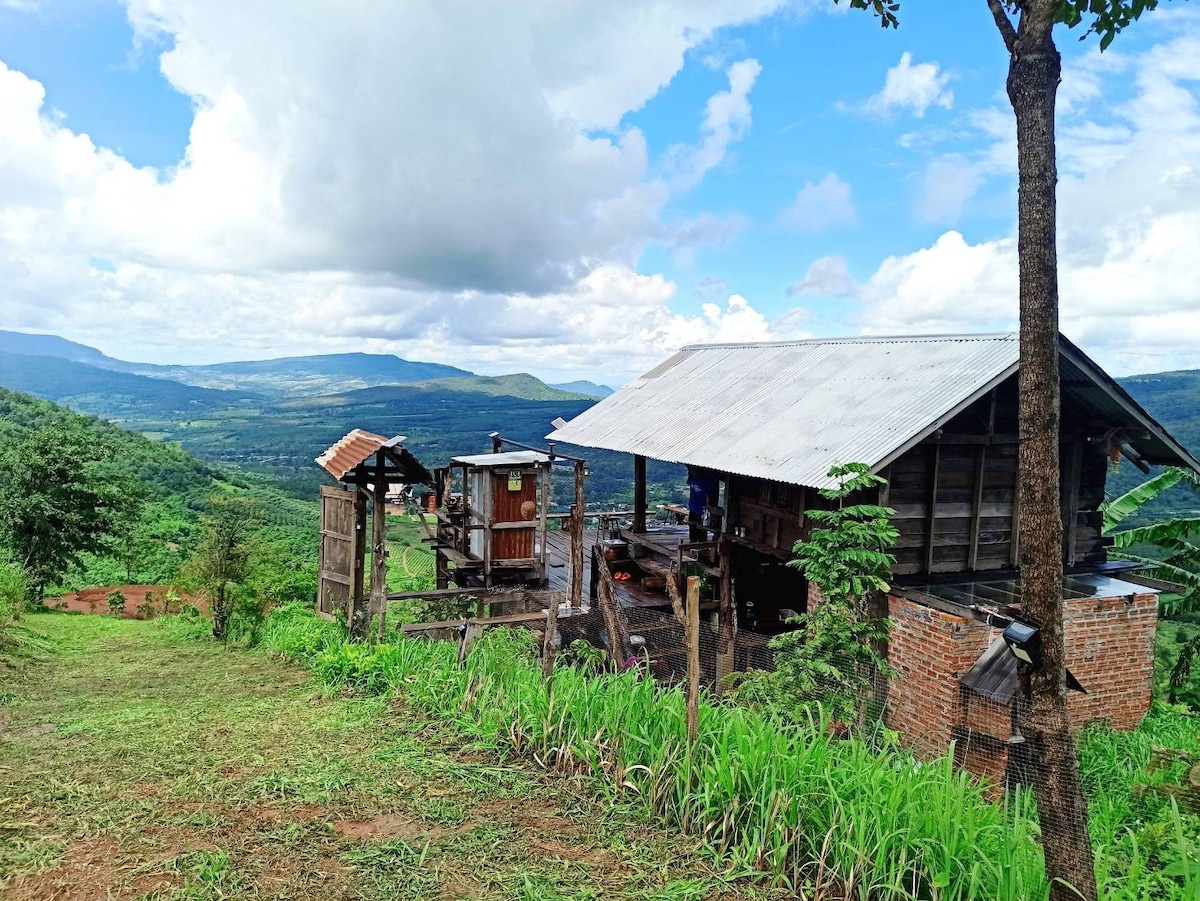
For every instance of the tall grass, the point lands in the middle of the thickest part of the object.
(16, 639)
(831, 818)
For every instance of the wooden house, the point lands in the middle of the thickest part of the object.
(759, 425)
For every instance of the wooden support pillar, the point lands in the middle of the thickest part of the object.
(726, 614)
(615, 624)
(931, 533)
(692, 640)
(358, 575)
(575, 596)
(639, 493)
(378, 546)
(977, 508)
(1071, 474)
(543, 471)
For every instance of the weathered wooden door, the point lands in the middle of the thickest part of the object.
(336, 573)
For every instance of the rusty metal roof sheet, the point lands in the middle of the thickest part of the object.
(788, 411)
(359, 446)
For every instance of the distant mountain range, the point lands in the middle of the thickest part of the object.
(287, 376)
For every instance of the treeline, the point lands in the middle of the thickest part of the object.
(86, 503)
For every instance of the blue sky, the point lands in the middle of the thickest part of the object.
(574, 192)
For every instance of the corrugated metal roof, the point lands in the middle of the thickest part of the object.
(788, 411)
(349, 451)
(508, 458)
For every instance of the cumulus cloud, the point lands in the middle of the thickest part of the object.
(913, 88)
(349, 169)
(1129, 223)
(829, 276)
(821, 206)
(727, 117)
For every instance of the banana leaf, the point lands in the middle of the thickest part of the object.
(1132, 501)
(1161, 533)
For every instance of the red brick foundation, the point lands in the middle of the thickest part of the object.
(1110, 649)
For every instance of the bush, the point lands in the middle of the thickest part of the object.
(116, 603)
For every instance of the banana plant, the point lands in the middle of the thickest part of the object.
(1180, 563)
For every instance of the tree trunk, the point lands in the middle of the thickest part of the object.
(1034, 71)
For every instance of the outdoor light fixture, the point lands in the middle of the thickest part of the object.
(1025, 642)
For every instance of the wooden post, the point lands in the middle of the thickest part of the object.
(931, 537)
(378, 547)
(639, 493)
(575, 598)
(727, 615)
(977, 508)
(614, 617)
(692, 641)
(543, 471)
(358, 576)
(1070, 506)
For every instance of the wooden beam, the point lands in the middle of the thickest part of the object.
(1071, 477)
(976, 508)
(575, 597)
(378, 546)
(639, 493)
(358, 586)
(543, 505)
(434, 594)
(726, 615)
(931, 520)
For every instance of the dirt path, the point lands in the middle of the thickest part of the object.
(133, 766)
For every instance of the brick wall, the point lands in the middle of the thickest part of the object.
(929, 650)
(1110, 649)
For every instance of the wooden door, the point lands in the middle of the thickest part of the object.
(336, 570)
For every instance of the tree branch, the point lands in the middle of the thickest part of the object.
(1007, 32)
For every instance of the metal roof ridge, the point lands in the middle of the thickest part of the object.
(858, 339)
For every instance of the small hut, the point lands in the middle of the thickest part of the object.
(367, 466)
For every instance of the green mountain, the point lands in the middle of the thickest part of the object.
(521, 384)
(582, 386)
(49, 346)
(323, 374)
(111, 394)
(1173, 398)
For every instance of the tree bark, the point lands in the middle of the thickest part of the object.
(1034, 71)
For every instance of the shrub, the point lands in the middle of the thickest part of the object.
(116, 603)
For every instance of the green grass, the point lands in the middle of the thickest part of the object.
(139, 762)
(842, 818)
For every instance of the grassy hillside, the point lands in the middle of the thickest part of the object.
(521, 385)
(175, 486)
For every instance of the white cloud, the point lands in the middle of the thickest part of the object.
(440, 171)
(1129, 225)
(912, 88)
(821, 206)
(727, 117)
(829, 276)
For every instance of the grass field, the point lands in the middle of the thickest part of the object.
(137, 765)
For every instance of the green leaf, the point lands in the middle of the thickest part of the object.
(1132, 501)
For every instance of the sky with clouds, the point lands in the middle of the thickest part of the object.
(574, 189)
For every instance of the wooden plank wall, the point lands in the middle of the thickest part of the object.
(337, 555)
